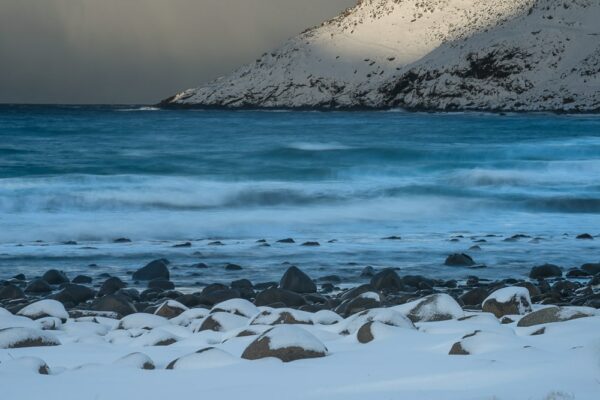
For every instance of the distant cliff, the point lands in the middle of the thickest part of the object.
(501, 55)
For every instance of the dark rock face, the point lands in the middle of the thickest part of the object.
(585, 236)
(153, 270)
(387, 280)
(82, 279)
(297, 281)
(162, 284)
(288, 240)
(277, 295)
(260, 348)
(310, 244)
(110, 286)
(591, 268)
(122, 240)
(115, 303)
(10, 292)
(38, 286)
(458, 350)
(459, 260)
(545, 271)
(78, 293)
(474, 297)
(55, 277)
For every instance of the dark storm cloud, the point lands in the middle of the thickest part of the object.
(137, 51)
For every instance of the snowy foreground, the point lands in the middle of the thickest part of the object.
(427, 349)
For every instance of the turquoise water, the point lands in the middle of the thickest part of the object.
(92, 174)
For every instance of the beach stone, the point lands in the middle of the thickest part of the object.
(10, 292)
(55, 277)
(13, 338)
(20, 277)
(288, 240)
(545, 271)
(364, 333)
(367, 272)
(354, 292)
(233, 267)
(170, 309)
(114, 303)
(241, 284)
(122, 240)
(591, 268)
(310, 244)
(217, 296)
(435, 307)
(459, 260)
(189, 300)
(162, 284)
(474, 297)
(554, 314)
(277, 295)
(78, 293)
(297, 281)
(153, 270)
(44, 308)
(387, 280)
(585, 236)
(136, 360)
(511, 300)
(38, 286)
(287, 343)
(111, 286)
(82, 279)
(362, 302)
(577, 273)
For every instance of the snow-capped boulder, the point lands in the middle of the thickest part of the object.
(435, 307)
(186, 317)
(326, 317)
(239, 307)
(45, 308)
(136, 360)
(480, 342)
(222, 322)
(555, 314)
(363, 301)
(373, 330)
(155, 337)
(282, 316)
(209, 357)
(142, 321)
(49, 323)
(286, 342)
(513, 300)
(11, 338)
(386, 316)
(25, 365)
(170, 309)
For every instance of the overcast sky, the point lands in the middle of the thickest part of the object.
(137, 51)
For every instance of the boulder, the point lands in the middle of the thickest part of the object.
(277, 295)
(170, 309)
(297, 281)
(111, 286)
(78, 293)
(545, 271)
(512, 300)
(206, 358)
(555, 314)
(362, 302)
(10, 292)
(591, 268)
(55, 277)
(435, 307)
(585, 236)
(38, 286)
(82, 279)
(387, 280)
(142, 321)
(136, 360)
(25, 364)
(162, 284)
(223, 322)
(153, 270)
(459, 260)
(287, 343)
(45, 308)
(240, 307)
(12, 338)
(474, 297)
(213, 297)
(282, 316)
(233, 267)
(115, 303)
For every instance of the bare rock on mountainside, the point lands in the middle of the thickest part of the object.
(517, 55)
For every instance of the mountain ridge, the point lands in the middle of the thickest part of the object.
(426, 55)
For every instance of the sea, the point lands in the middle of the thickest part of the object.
(382, 189)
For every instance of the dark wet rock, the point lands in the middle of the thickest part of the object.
(474, 297)
(82, 279)
(310, 244)
(508, 301)
(392, 238)
(585, 236)
(55, 277)
(362, 302)
(288, 240)
(387, 280)
(189, 300)
(70, 243)
(200, 266)
(20, 277)
(577, 273)
(241, 284)
(233, 267)
(475, 248)
(153, 270)
(213, 287)
(418, 281)
(297, 281)
(327, 287)
(551, 314)
(78, 293)
(10, 292)
(122, 240)
(367, 272)
(545, 271)
(356, 291)
(330, 278)
(132, 293)
(170, 309)
(458, 350)
(218, 296)
(277, 295)
(459, 260)
(38, 286)
(162, 284)
(506, 320)
(260, 348)
(216, 243)
(182, 245)
(531, 288)
(110, 286)
(591, 268)
(114, 303)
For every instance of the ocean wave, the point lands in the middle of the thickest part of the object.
(316, 146)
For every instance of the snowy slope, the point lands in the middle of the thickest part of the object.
(370, 55)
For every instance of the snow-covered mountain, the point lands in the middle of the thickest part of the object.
(427, 54)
